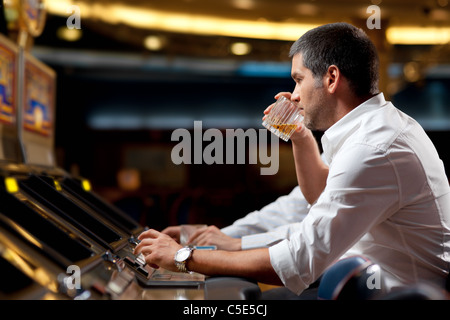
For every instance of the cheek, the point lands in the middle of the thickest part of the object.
(305, 95)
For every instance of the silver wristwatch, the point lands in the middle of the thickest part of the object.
(181, 257)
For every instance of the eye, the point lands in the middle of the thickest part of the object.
(298, 78)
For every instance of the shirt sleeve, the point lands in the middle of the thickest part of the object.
(270, 238)
(285, 210)
(347, 209)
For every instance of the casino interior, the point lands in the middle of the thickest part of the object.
(92, 91)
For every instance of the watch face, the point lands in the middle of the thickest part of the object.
(183, 254)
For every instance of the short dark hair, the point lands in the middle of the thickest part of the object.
(345, 46)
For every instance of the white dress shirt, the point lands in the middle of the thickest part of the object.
(387, 197)
(273, 223)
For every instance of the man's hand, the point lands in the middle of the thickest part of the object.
(299, 132)
(174, 232)
(212, 236)
(287, 95)
(159, 249)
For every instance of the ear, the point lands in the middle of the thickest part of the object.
(332, 78)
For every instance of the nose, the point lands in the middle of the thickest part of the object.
(295, 97)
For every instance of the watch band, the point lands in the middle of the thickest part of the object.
(182, 267)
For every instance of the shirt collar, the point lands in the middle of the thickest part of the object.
(334, 137)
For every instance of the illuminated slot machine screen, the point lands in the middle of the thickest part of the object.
(38, 129)
(10, 146)
(38, 126)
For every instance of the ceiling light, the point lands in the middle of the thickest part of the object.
(411, 71)
(153, 43)
(243, 4)
(240, 48)
(139, 17)
(439, 15)
(418, 35)
(307, 9)
(70, 35)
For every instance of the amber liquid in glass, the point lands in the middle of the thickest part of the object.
(285, 128)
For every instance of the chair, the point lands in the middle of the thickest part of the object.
(358, 278)
(352, 278)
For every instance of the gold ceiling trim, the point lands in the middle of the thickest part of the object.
(145, 18)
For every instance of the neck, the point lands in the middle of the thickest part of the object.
(348, 102)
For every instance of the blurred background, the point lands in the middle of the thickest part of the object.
(130, 72)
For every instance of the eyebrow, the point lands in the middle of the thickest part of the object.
(296, 75)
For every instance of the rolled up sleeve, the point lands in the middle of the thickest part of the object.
(284, 265)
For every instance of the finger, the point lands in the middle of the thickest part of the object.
(206, 238)
(278, 96)
(138, 249)
(145, 251)
(285, 94)
(196, 234)
(268, 108)
(196, 239)
(143, 244)
(202, 241)
(150, 263)
(300, 127)
(173, 232)
(151, 233)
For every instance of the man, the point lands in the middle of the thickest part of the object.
(385, 194)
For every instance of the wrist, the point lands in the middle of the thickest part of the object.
(238, 244)
(304, 140)
(189, 263)
(300, 135)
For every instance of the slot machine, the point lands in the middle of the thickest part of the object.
(58, 238)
